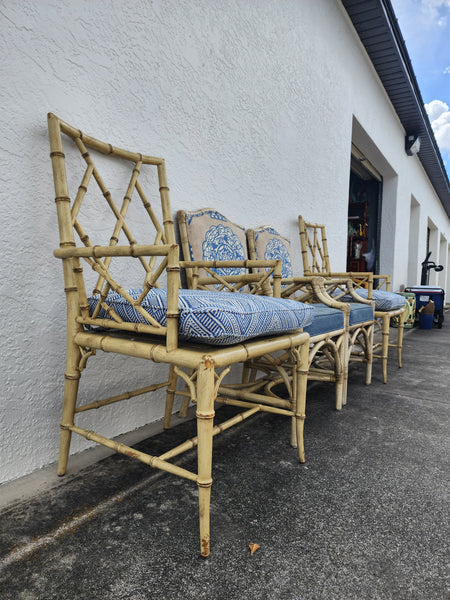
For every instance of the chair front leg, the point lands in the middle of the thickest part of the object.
(344, 352)
(369, 353)
(205, 419)
(72, 379)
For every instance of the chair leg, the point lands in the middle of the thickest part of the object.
(385, 346)
(400, 340)
(300, 386)
(369, 355)
(345, 357)
(205, 418)
(72, 379)
(294, 430)
(186, 400)
(170, 395)
(245, 373)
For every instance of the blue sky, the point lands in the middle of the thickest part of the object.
(425, 25)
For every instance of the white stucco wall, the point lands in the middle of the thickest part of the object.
(252, 104)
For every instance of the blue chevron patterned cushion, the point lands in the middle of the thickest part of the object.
(384, 301)
(211, 317)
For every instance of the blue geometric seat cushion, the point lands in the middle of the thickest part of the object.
(328, 319)
(219, 318)
(384, 301)
(325, 320)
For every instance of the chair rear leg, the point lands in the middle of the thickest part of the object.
(205, 419)
(186, 400)
(385, 346)
(170, 395)
(400, 340)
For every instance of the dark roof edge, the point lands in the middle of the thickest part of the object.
(386, 23)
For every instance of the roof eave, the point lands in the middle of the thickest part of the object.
(375, 19)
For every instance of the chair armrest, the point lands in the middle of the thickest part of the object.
(133, 250)
(346, 288)
(312, 288)
(366, 279)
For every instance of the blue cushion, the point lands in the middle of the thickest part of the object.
(211, 317)
(325, 320)
(384, 301)
(360, 313)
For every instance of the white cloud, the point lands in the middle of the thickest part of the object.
(436, 11)
(447, 70)
(439, 114)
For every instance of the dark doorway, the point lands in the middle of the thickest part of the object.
(364, 212)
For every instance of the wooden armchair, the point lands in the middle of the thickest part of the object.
(316, 260)
(206, 232)
(359, 316)
(128, 301)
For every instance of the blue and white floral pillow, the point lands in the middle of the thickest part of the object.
(270, 245)
(212, 236)
(222, 243)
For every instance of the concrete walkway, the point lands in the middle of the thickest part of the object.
(366, 518)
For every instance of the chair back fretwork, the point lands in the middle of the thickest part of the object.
(82, 241)
(314, 248)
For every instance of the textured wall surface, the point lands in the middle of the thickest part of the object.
(252, 103)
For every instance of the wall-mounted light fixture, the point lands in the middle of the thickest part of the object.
(412, 144)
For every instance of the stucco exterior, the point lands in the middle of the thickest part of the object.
(253, 104)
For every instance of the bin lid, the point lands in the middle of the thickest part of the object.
(425, 288)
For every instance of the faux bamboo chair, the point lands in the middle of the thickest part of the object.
(359, 321)
(207, 233)
(128, 302)
(316, 260)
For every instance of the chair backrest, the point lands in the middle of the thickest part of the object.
(215, 256)
(208, 235)
(267, 243)
(314, 247)
(98, 228)
(316, 259)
